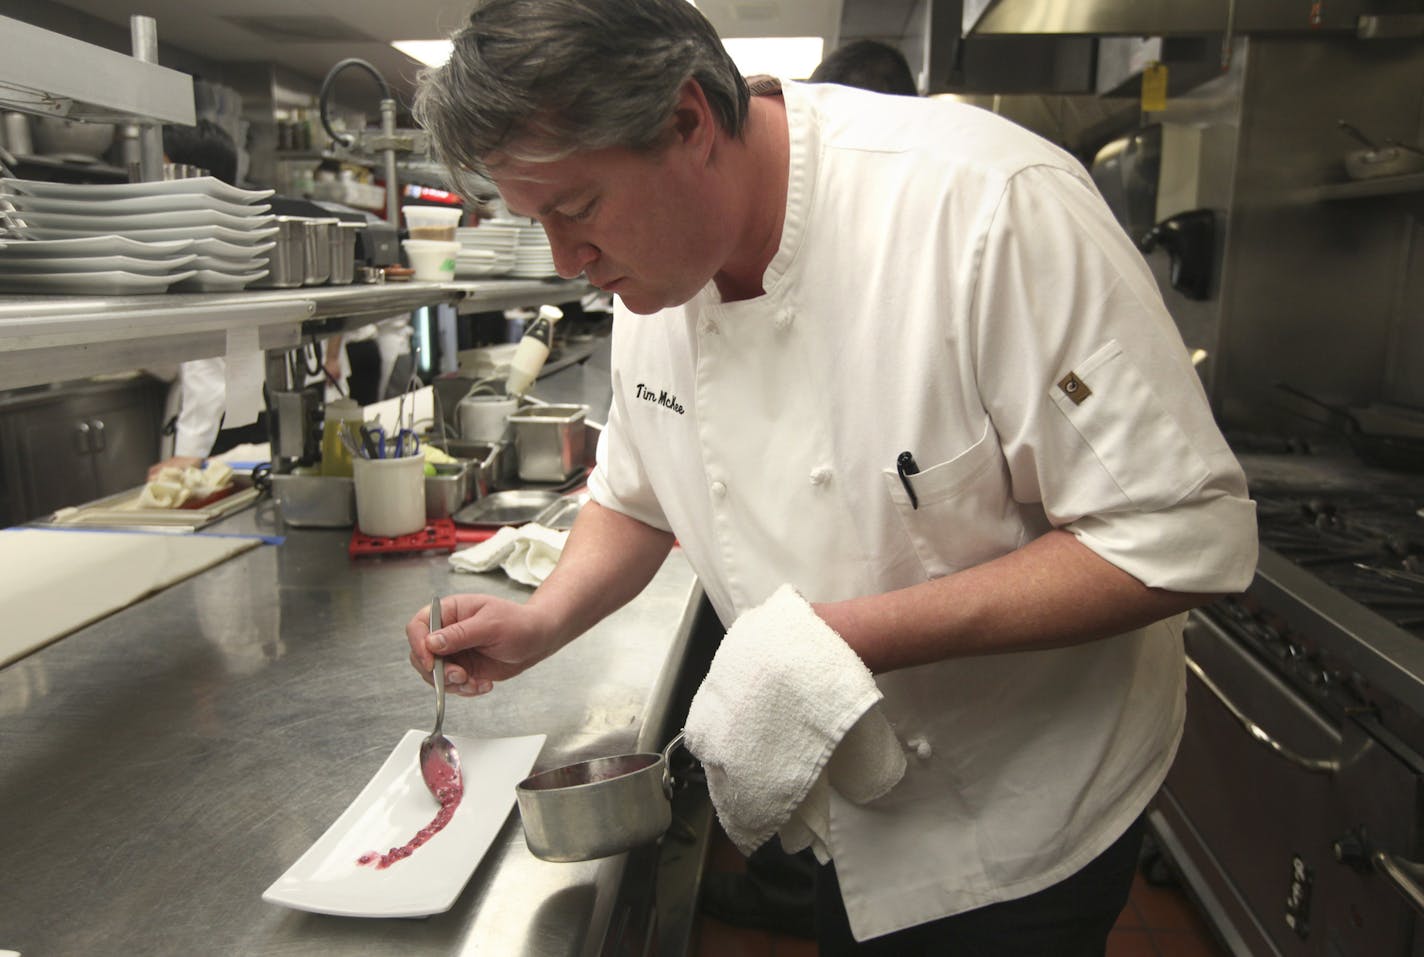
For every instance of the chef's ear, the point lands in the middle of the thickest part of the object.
(693, 122)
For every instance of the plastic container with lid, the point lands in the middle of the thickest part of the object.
(435, 223)
(431, 260)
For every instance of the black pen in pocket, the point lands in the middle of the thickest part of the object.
(905, 465)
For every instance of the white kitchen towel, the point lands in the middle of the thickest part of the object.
(527, 553)
(787, 713)
(173, 486)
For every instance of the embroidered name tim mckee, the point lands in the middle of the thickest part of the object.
(662, 397)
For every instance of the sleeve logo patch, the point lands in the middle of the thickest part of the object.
(1074, 388)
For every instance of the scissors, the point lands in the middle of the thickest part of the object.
(404, 443)
(373, 441)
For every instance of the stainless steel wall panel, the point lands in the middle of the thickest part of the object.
(1314, 292)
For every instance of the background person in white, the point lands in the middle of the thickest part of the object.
(822, 279)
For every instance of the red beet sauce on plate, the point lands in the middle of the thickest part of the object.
(449, 789)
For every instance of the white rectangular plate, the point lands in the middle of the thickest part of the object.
(97, 228)
(94, 246)
(216, 247)
(177, 219)
(387, 813)
(58, 264)
(206, 185)
(108, 283)
(229, 267)
(212, 280)
(173, 202)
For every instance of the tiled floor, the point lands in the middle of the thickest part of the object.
(1158, 922)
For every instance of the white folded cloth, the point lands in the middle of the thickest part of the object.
(786, 715)
(173, 486)
(527, 553)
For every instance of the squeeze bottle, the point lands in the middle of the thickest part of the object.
(533, 349)
(335, 456)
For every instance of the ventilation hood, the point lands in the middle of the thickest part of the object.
(1175, 18)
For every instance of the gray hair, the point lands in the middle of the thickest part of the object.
(538, 80)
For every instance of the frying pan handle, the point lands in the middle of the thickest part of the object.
(1338, 411)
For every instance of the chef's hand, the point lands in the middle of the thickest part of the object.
(483, 640)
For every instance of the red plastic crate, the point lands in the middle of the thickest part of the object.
(438, 536)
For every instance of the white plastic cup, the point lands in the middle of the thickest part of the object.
(433, 261)
(432, 222)
(390, 495)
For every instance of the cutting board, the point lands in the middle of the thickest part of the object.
(55, 581)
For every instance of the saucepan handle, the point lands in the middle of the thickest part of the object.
(667, 762)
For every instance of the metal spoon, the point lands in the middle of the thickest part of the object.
(439, 762)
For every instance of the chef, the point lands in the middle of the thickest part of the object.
(896, 354)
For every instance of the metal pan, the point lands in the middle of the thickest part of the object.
(1404, 453)
(598, 808)
(562, 513)
(512, 507)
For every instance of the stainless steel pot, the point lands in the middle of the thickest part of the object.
(597, 808)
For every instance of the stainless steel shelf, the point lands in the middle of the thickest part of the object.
(50, 338)
(1362, 189)
(38, 74)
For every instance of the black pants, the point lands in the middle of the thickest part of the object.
(1070, 919)
(256, 433)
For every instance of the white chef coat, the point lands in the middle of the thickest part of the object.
(215, 393)
(941, 271)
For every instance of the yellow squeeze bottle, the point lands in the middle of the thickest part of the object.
(335, 456)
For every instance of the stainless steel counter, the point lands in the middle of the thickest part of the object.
(161, 767)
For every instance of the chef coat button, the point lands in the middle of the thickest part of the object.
(820, 475)
(719, 489)
(708, 327)
(784, 315)
(920, 746)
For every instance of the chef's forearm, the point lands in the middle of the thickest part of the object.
(608, 559)
(1053, 592)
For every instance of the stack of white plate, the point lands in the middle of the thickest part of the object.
(221, 234)
(533, 259)
(486, 249)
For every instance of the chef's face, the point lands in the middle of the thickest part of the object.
(639, 224)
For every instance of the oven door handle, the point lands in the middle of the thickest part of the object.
(1404, 875)
(1258, 733)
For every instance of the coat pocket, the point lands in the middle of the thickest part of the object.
(1137, 442)
(963, 514)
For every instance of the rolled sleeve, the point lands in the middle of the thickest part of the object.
(1099, 410)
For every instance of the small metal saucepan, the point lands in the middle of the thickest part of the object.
(597, 808)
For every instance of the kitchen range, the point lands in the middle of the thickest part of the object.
(1293, 809)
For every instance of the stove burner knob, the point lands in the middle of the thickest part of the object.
(1353, 850)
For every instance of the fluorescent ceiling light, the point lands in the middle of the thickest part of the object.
(429, 52)
(791, 57)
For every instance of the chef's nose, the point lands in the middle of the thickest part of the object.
(571, 256)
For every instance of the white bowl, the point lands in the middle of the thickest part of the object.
(431, 260)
